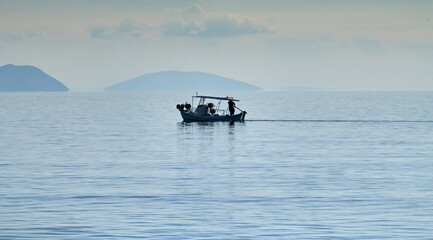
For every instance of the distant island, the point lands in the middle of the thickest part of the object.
(182, 81)
(27, 79)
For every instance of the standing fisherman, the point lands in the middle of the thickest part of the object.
(231, 107)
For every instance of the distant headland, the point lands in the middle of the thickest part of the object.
(181, 81)
(27, 79)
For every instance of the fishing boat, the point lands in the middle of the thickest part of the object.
(208, 111)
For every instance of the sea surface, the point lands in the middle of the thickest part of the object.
(304, 165)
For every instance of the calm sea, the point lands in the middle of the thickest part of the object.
(305, 165)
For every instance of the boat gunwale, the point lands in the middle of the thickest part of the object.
(191, 117)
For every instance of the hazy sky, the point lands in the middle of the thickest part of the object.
(341, 45)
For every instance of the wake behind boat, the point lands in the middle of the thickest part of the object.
(207, 111)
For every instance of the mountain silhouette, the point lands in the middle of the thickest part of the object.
(182, 81)
(27, 78)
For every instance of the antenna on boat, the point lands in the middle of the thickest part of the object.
(196, 93)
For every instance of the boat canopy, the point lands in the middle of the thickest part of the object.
(218, 98)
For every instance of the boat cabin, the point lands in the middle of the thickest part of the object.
(208, 105)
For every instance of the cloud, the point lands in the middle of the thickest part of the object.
(19, 36)
(192, 13)
(190, 21)
(97, 32)
(128, 28)
(194, 21)
(369, 46)
(178, 28)
(224, 26)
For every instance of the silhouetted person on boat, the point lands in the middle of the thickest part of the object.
(231, 107)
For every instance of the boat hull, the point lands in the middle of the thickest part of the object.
(190, 117)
